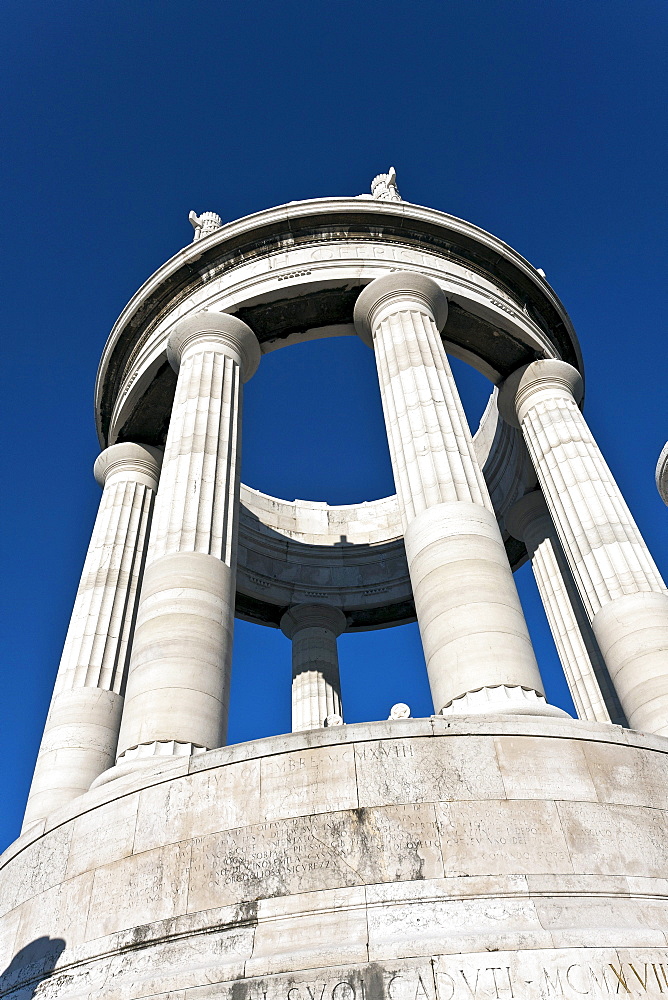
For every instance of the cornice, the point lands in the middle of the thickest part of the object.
(353, 218)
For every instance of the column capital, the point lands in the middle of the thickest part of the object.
(216, 331)
(662, 475)
(128, 460)
(408, 286)
(548, 377)
(530, 509)
(301, 616)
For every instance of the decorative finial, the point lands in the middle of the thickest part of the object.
(400, 711)
(204, 224)
(384, 186)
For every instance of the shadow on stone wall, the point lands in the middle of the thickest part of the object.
(30, 967)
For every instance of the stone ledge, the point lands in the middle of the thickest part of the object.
(166, 770)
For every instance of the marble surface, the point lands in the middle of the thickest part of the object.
(179, 673)
(405, 859)
(617, 579)
(587, 676)
(465, 596)
(81, 731)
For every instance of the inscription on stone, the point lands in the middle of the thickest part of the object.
(484, 838)
(565, 975)
(421, 770)
(509, 977)
(317, 852)
(399, 981)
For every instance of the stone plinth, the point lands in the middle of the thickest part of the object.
(409, 859)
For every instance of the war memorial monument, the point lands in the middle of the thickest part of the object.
(499, 849)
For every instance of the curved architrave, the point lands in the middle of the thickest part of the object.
(492, 335)
(353, 556)
(294, 241)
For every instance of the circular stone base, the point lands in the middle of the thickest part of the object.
(503, 699)
(412, 859)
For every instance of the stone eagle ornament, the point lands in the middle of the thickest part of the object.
(204, 224)
(384, 186)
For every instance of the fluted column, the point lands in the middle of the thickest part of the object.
(178, 685)
(588, 680)
(316, 687)
(618, 581)
(81, 731)
(477, 647)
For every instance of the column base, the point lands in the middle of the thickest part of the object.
(160, 748)
(503, 699)
(146, 754)
(632, 632)
(468, 609)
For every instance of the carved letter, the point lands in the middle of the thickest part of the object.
(496, 985)
(570, 983)
(450, 984)
(343, 995)
(556, 985)
(642, 983)
(595, 980)
(420, 989)
(473, 991)
(311, 994)
(620, 977)
(391, 984)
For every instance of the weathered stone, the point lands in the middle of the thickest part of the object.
(103, 835)
(199, 804)
(324, 928)
(299, 784)
(500, 850)
(544, 768)
(140, 889)
(427, 770)
(502, 838)
(325, 851)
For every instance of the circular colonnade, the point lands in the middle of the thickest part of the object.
(384, 859)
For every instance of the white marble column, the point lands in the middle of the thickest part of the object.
(617, 579)
(476, 644)
(316, 687)
(588, 680)
(81, 731)
(178, 685)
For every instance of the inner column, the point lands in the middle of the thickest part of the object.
(178, 686)
(476, 643)
(588, 680)
(316, 687)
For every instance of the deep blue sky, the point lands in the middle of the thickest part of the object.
(543, 122)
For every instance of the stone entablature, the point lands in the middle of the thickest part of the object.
(496, 296)
(395, 859)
